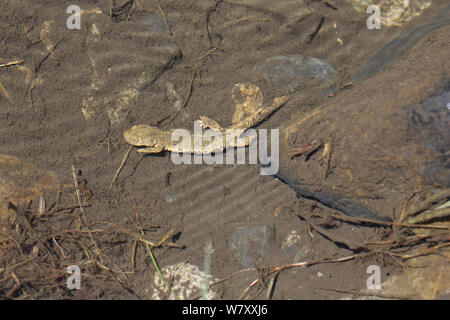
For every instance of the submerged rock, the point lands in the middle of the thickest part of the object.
(297, 71)
(389, 137)
(154, 22)
(249, 244)
(186, 282)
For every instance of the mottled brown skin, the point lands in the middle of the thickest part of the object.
(156, 141)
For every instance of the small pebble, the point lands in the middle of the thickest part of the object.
(154, 22)
(296, 71)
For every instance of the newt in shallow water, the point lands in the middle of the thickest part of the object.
(155, 140)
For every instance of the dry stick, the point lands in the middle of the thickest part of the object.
(368, 294)
(77, 191)
(248, 288)
(301, 264)
(402, 216)
(164, 17)
(133, 256)
(155, 263)
(385, 223)
(271, 286)
(438, 281)
(330, 144)
(191, 85)
(11, 63)
(16, 286)
(423, 252)
(253, 18)
(38, 66)
(150, 253)
(63, 209)
(168, 235)
(12, 290)
(59, 247)
(439, 196)
(326, 234)
(50, 52)
(210, 51)
(407, 241)
(5, 93)
(131, 234)
(401, 264)
(81, 231)
(124, 160)
(12, 267)
(231, 275)
(310, 263)
(111, 273)
(208, 13)
(433, 214)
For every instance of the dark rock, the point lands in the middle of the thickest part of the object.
(390, 137)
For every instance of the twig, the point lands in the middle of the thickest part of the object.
(334, 238)
(378, 295)
(133, 256)
(38, 66)
(327, 152)
(271, 286)
(77, 190)
(248, 288)
(60, 248)
(61, 209)
(421, 253)
(433, 214)
(5, 93)
(231, 275)
(299, 264)
(11, 63)
(402, 216)
(208, 53)
(164, 17)
(12, 267)
(188, 96)
(150, 253)
(345, 86)
(408, 241)
(253, 18)
(133, 235)
(308, 149)
(386, 223)
(310, 263)
(124, 160)
(429, 202)
(208, 13)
